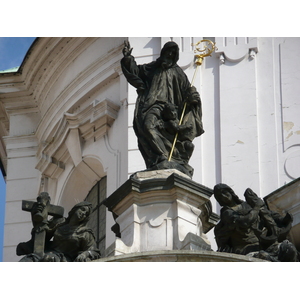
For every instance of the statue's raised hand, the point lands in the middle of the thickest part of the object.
(127, 49)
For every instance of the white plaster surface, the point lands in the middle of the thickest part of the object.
(160, 220)
(157, 174)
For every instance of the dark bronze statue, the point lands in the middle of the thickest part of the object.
(250, 227)
(235, 230)
(272, 231)
(66, 239)
(163, 89)
(39, 215)
(272, 227)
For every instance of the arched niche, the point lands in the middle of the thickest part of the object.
(80, 181)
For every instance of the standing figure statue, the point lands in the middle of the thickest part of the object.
(160, 83)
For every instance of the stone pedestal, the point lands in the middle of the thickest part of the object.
(160, 210)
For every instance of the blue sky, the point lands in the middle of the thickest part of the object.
(12, 52)
(2, 209)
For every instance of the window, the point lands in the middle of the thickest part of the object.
(97, 222)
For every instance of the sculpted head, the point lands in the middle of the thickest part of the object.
(169, 112)
(225, 195)
(80, 213)
(169, 55)
(40, 211)
(43, 199)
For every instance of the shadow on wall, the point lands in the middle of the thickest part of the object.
(80, 181)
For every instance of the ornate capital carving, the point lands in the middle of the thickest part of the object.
(235, 49)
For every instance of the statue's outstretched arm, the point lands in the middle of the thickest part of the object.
(130, 68)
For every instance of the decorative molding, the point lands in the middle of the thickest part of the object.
(292, 161)
(98, 71)
(40, 65)
(222, 58)
(93, 122)
(117, 154)
(74, 146)
(252, 53)
(69, 50)
(50, 167)
(17, 146)
(235, 49)
(44, 184)
(4, 130)
(75, 93)
(45, 64)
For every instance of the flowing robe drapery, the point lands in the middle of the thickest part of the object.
(157, 86)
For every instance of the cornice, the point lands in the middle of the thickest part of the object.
(236, 49)
(156, 184)
(49, 58)
(86, 83)
(29, 139)
(20, 145)
(20, 81)
(4, 121)
(17, 89)
(56, 64)
(153, 190)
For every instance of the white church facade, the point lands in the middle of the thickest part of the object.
(66, 125)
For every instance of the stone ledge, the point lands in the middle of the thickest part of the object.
(180, 256)
(156, 184)
(165, 173)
